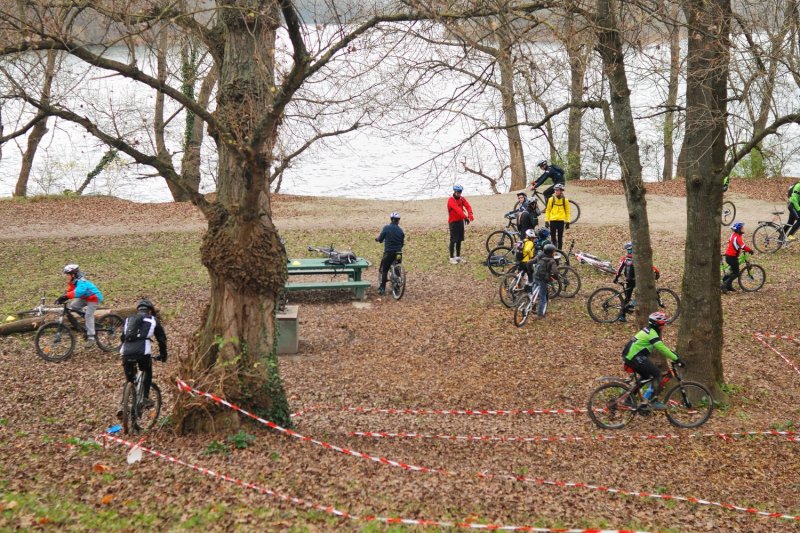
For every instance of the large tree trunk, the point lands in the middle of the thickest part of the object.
(672, 93)
(233, 354)
(515, 151)
(37, 132)
(577, 70)
(700, 335)
(623, 135)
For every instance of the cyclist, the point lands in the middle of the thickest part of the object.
(137, 348)
(556, 215)
(736, 246)
(638, 349)
(393, 238)
(553, 172)
(546, 269)
(86, 295)
(793, 206)
(625, 269)
(459, 214)
(522, 201)
(529, 218)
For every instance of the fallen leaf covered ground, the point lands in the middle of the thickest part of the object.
(447, 345)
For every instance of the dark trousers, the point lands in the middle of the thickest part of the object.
(456, 236)
(386, 262)
(557, 233)
(145, 364)
(643, 366)
(793, 223)
(733, 263)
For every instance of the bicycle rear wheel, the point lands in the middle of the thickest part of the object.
(768, 238)
(728, 213)
(128, 408)
(669, 303)
(574, 212)
(398, 281)
(604, 305)
(752, 278)
(54, 342)
(500, 260)
(605, 409)
(148, 413)
(108, 332)
(500, 238)
(570, 281)
(689, 405)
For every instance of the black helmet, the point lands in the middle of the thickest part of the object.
(144, 303)
(549, 249)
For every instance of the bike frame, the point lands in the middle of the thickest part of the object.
(635, 381)
(70, 314)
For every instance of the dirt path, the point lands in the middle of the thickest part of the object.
(53, 219)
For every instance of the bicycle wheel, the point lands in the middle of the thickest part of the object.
(752, 278)
(728, 213)
(570, 281)
(604, 305)
(128, 408)
(574, 212)
(500, 260)
(605, 409)
(54, 342)
(523, 310)
(147, 414)
(108, 331)
(669, 303)
(689, 405)
(768, 238)
(398, 281)
(553, 288)
(500, 238)
(511, 286)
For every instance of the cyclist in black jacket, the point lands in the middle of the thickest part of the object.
(393, 238)
(553, 172)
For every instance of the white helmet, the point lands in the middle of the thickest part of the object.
(71, 268)
(395, 214)
(530, 233)
(558, 186)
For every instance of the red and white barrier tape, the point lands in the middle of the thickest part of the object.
(761, 336)
(419, 412)
(344, 514)
(484, 475)
(791, 435)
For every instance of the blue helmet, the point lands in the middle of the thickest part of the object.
(629, 247)
(543, 233)
(457, 188)
(737, 226)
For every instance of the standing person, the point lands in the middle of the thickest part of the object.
(86, 295)
(736, 246)
(553, 172)
(459, 214)
(393, 238)
(557, 215)
(547, 268)
(529, 218)
(625, 270)
(137, 347)
(793, 206)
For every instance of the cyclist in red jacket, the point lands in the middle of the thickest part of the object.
(736, 246)
(459, 213)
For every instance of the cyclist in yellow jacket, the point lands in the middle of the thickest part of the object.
(557, 215)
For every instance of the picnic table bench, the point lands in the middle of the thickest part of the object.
(318, 266)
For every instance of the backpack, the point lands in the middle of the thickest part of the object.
(344, 257)
(136, 328)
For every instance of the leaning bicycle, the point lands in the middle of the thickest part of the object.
(138, 412)
(751, 276)
(607, 304)
(613, 404)
(55, 341)
(770, 235)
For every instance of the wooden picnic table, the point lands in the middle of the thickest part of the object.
(336, 273)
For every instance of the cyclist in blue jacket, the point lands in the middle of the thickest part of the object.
(393, 238)
(86, 295)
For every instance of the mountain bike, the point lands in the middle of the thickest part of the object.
(605, 304)
(728, 213)
(513, 285)
(770, 235)
(751, 276)
(528, 302)
(613, 404)
(506, 237)
(397, 276)
(55, 341)
(574, 208)
(138, 413)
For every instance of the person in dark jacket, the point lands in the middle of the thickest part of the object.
(529, 218)
(554, 172)
(393, 238)
(137, 346)
(626, 271)
(546, 269)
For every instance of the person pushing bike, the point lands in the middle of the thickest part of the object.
(393, 239)
(636, 354)
(137, 347)
(86, 295)
(736, 246)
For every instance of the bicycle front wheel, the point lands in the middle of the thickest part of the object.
(523, 311)
(500, 238)
(752, 278)
(574, 212)
(128, 408)
(500, 260)
(398, 281)
(728, 213)
(689, 405)
(669, 303)
(768, 238)
(148, 413)
(605, 305)
(570, 281)
(511, 286)
(54, 342)
(606, 408)
(108, 332)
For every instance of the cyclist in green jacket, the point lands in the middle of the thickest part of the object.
(793, 205)
(636, 354)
